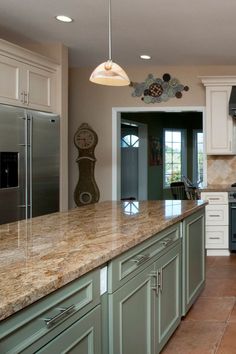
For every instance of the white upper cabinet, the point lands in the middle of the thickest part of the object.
(40, 88)
(10, 78)
(27, 79)
(220, 126)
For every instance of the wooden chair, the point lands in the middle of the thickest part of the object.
(178, 190)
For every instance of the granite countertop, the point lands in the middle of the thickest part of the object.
(42, 254)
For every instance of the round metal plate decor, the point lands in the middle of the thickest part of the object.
(156, 90)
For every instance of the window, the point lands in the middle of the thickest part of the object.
(174, 155)
(197, 157)
(130, 141)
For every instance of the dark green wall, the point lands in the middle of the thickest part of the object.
(156, 122)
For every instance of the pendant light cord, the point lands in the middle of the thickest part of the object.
(109, 28)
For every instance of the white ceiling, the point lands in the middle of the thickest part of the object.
(172, 32)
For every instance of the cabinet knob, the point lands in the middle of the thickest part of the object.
(26, 98)
(22, 97)
(140, 259)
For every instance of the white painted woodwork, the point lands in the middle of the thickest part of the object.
(217, 215)
(10, 74)
(215, 197)
(220, 126)
(217, 237)
(218, 252)
(27, 79)
(217, 220)
(41, 88)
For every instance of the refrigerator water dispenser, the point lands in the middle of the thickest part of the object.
(8, 169)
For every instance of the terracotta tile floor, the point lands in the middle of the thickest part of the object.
(210, 325)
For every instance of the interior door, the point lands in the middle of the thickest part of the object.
(134, 163)
(129, 172)
(12, 164)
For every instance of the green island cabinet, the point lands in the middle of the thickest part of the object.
(149, 288)
(153, 285)
(66, 321)
(144, 312)
(193, 259)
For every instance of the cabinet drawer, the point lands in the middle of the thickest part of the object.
(84, 336)
(217, 215)
(124, 267)
(217, 237)
(215, 197)
(37, 324)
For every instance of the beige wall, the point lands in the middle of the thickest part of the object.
(93, 104)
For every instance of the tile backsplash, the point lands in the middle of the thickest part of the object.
(221, 170)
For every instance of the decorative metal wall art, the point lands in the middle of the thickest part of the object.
(156, 90)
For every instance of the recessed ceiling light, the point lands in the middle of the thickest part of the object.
(63, 18)
(145, 57)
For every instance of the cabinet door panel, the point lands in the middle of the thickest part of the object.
(40, 87)
(215, 197)
(84, 337)
(131, 316)
(218, 122)
(217, 237)
(217, 215)
(10, 73)
(193, 258)
(168, 301)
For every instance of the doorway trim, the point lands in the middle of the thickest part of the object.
(116, 136)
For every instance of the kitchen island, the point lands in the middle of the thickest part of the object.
(43, 254)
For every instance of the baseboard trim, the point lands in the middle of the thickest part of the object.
(218, 252)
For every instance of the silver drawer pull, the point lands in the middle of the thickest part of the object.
(214, 238)
(154, 274)
(140, 259)
(63, 313)
(214, 198)
(214, 215)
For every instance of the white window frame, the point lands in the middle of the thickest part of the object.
(195, 154)
(183, 153)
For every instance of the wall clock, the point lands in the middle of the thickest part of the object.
(86, 191)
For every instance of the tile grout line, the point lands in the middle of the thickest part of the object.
(220, 340)
(226, 325)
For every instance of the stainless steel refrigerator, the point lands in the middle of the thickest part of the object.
(29, 163)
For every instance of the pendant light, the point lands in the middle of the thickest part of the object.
(109, 73)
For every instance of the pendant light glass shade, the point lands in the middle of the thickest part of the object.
(109, 73)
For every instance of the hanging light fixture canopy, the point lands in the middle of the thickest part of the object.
(109, 73)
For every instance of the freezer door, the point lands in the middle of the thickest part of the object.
(44, 167)
(12, 164)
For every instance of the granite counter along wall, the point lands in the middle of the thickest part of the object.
(221, 170)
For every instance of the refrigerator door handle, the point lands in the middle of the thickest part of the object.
(26, 166)
(30, 165)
